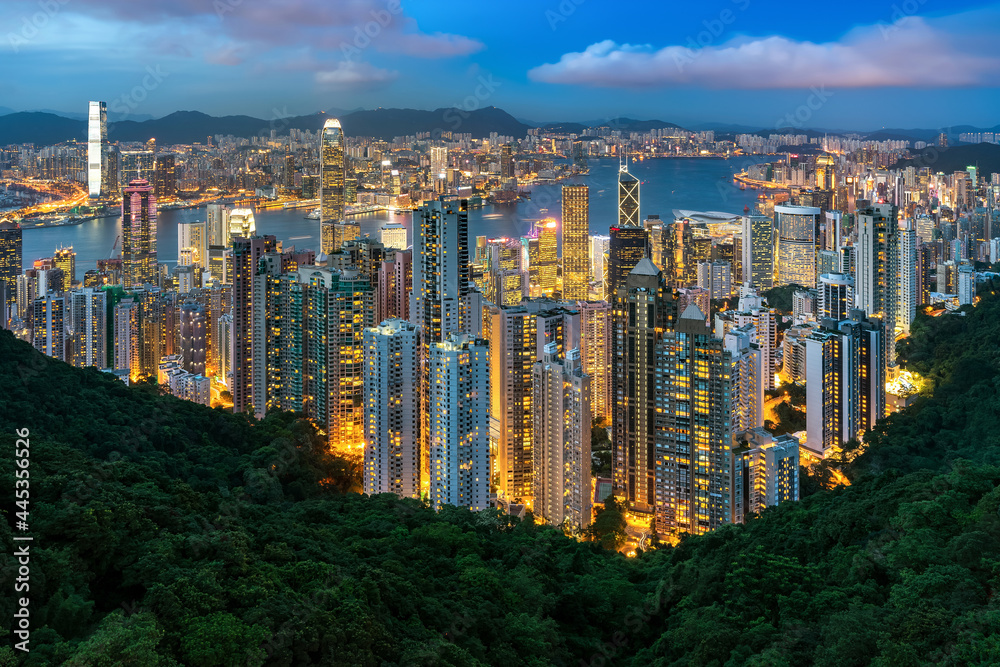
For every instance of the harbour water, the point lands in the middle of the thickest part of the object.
(699, 184)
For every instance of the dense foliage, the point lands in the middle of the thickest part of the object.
(168, 533)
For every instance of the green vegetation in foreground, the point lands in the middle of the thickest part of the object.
(167, 533)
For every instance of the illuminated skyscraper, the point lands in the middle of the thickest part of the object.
(561, 439)
(627, 246)
(193, 335)
(137, 166)
(247, 253)
(127, 342)
(217, 225)
(109, 169)
(166, 179)
(138, 235)
(693, 421)
(909, 295)
(393, 235)
(441, 269)
(506, 279)
(241, 224)
(458, 408)
(795, 227)
(575, 238)
(191, 236)
(758, 250)
(97, 134)
(598, 253)
(392, 409)
(836, 296)
(643, 310)
(65, 259)
(336, 234)
(333, 173)
(876, 277)
(765, 472)
(49, 326)
(628, 198)
(10, 266)
(595, 353)
(88, 328)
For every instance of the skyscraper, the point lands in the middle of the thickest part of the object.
(49, 326)
(627, 246)
(598, 251)
(595, 354)
(65, 259)
(333, 172)
(909, 296)
(88, 327)
(217, 225)
(393, 235)
(765, 472)
(561, 439)
(575, 238)
(795, 227)
(166, 179)
(247, 253)
(138, 235)
(693, 426)
(458, 391)
(392, 409)
(836, 296)
(644, 309)
(441, 269)
(137, 166)
(193, 335)
(876, 279)
(192, 236)
(241, 224)
(758, 250)
(506, 279)
(628, 198)
(10, 266)
(127, 355)
(97, 133)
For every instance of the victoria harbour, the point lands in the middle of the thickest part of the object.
(696, 184)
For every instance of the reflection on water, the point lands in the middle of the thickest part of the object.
(695, 184)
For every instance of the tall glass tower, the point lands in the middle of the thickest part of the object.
(138, 235)
(97, 134)
(575, 241)
(333, 173)
(628, 198)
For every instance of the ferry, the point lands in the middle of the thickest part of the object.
(313, 215)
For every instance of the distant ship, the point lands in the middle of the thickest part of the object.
(313, 215)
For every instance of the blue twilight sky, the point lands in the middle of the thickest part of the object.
(852, 64)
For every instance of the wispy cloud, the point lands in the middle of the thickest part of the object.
(913, 52)
(354, 76)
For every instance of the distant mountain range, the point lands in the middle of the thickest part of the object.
(47, 127)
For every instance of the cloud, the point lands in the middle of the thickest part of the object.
(354, 76)
(227, 55)
(910, 52)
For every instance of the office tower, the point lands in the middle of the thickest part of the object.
(595, 353)
(395, 284)
(909, 295)
(505, 278)
(127, 354)
(97, 134)
(392, 409)
(393, 235)
(241, 224)
(692, 417)
(138, 235)
(644, 309)
(795, 228)
(561, 439)
(543, 258)
(333, 172)
(439, 160)
(716, 278)
(10, 266)
(193, 334)
(836, 296)
(65, 260)
(746, 378)
(335, 234)
(845, 380)
(575, 231)
(137, 166)
(49, 326)
(458, 406)
(966, 284)
(217, 225)
(925, 228)
(441, 270)
(88, 328)
(758, 250)
(506, 162)
(626, 247)
(247, 253)
(876, 279)
(598, 251)
(110, 169)
(765, 472)
(192, 236)
(628, 198)
(166, 179)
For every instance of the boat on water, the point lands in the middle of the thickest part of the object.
(298, 238)
(313, 215)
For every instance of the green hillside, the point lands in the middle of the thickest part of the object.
(168, 533)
